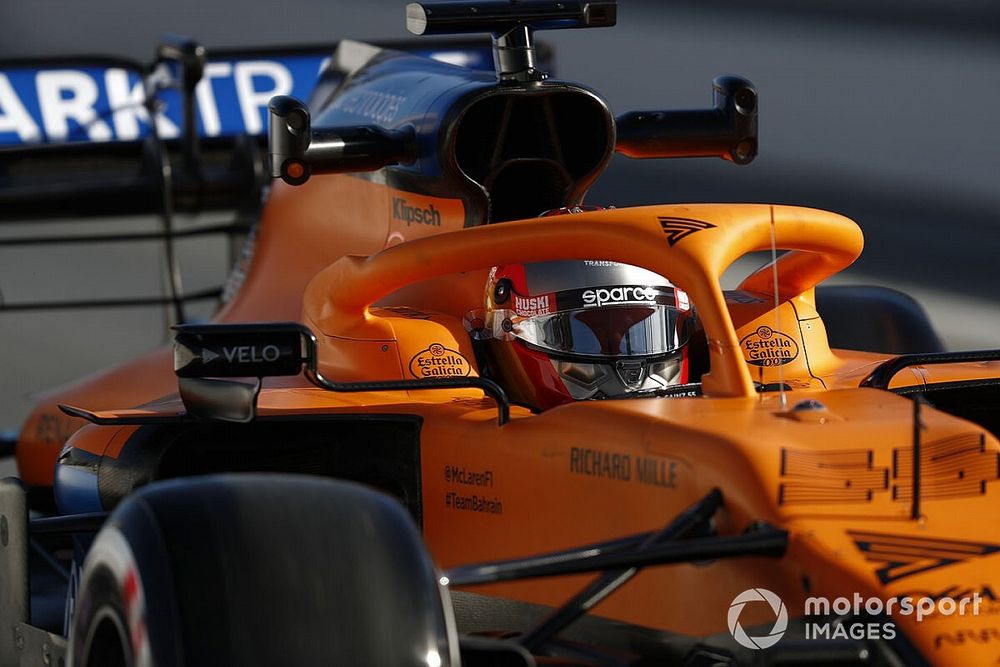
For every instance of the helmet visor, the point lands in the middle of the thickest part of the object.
(611, 331)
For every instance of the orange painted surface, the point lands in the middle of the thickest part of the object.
(301, 231)
(337, 300)
(596, 470)
(839, 479)
(412, 216)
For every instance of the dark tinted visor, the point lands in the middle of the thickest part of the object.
(610, 331)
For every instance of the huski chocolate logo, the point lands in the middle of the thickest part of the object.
(767, 347)
(438, 361)
(530, 306)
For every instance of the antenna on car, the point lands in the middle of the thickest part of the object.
(512, 25)
(782, 398)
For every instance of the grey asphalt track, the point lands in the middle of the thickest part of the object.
(883, 111)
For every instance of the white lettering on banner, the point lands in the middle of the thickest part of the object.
(108, 103)
(206, 97)
(13, 116)
(251, 354)
(128, 108)
(58, 108)
(126, 104)
(251, 100)
(162, 78)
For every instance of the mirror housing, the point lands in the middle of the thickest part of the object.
(297, 151)
(728, 130)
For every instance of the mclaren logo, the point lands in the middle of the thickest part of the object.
(677, 229)
(902, 556)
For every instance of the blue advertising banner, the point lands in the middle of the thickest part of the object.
(97, 101)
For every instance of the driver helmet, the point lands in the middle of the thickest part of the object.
(564, 331)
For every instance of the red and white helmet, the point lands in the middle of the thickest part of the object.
(563, 331)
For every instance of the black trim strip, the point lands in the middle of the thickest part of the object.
(488, 386)
(69, 523)
(882, 376)
(945, 386)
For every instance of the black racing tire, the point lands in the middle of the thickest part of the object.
(106, 642)
(260, 570)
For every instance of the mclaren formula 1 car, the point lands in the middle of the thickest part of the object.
(332, 472)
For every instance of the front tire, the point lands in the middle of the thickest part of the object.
(260, 570)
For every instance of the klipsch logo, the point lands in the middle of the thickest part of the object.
(403, 210)
(678, 229)
(438, 361)
(767, 347)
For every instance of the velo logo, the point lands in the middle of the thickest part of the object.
(780, 622)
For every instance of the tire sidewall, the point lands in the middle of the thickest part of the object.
(110, 591)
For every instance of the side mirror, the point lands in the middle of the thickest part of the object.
(728, 130)
(297, 151)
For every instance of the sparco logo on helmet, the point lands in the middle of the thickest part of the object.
(595, 298)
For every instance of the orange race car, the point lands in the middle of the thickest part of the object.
(586, 452)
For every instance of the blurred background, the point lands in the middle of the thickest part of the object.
(882, 110)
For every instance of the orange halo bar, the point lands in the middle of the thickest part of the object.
(691, 245)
